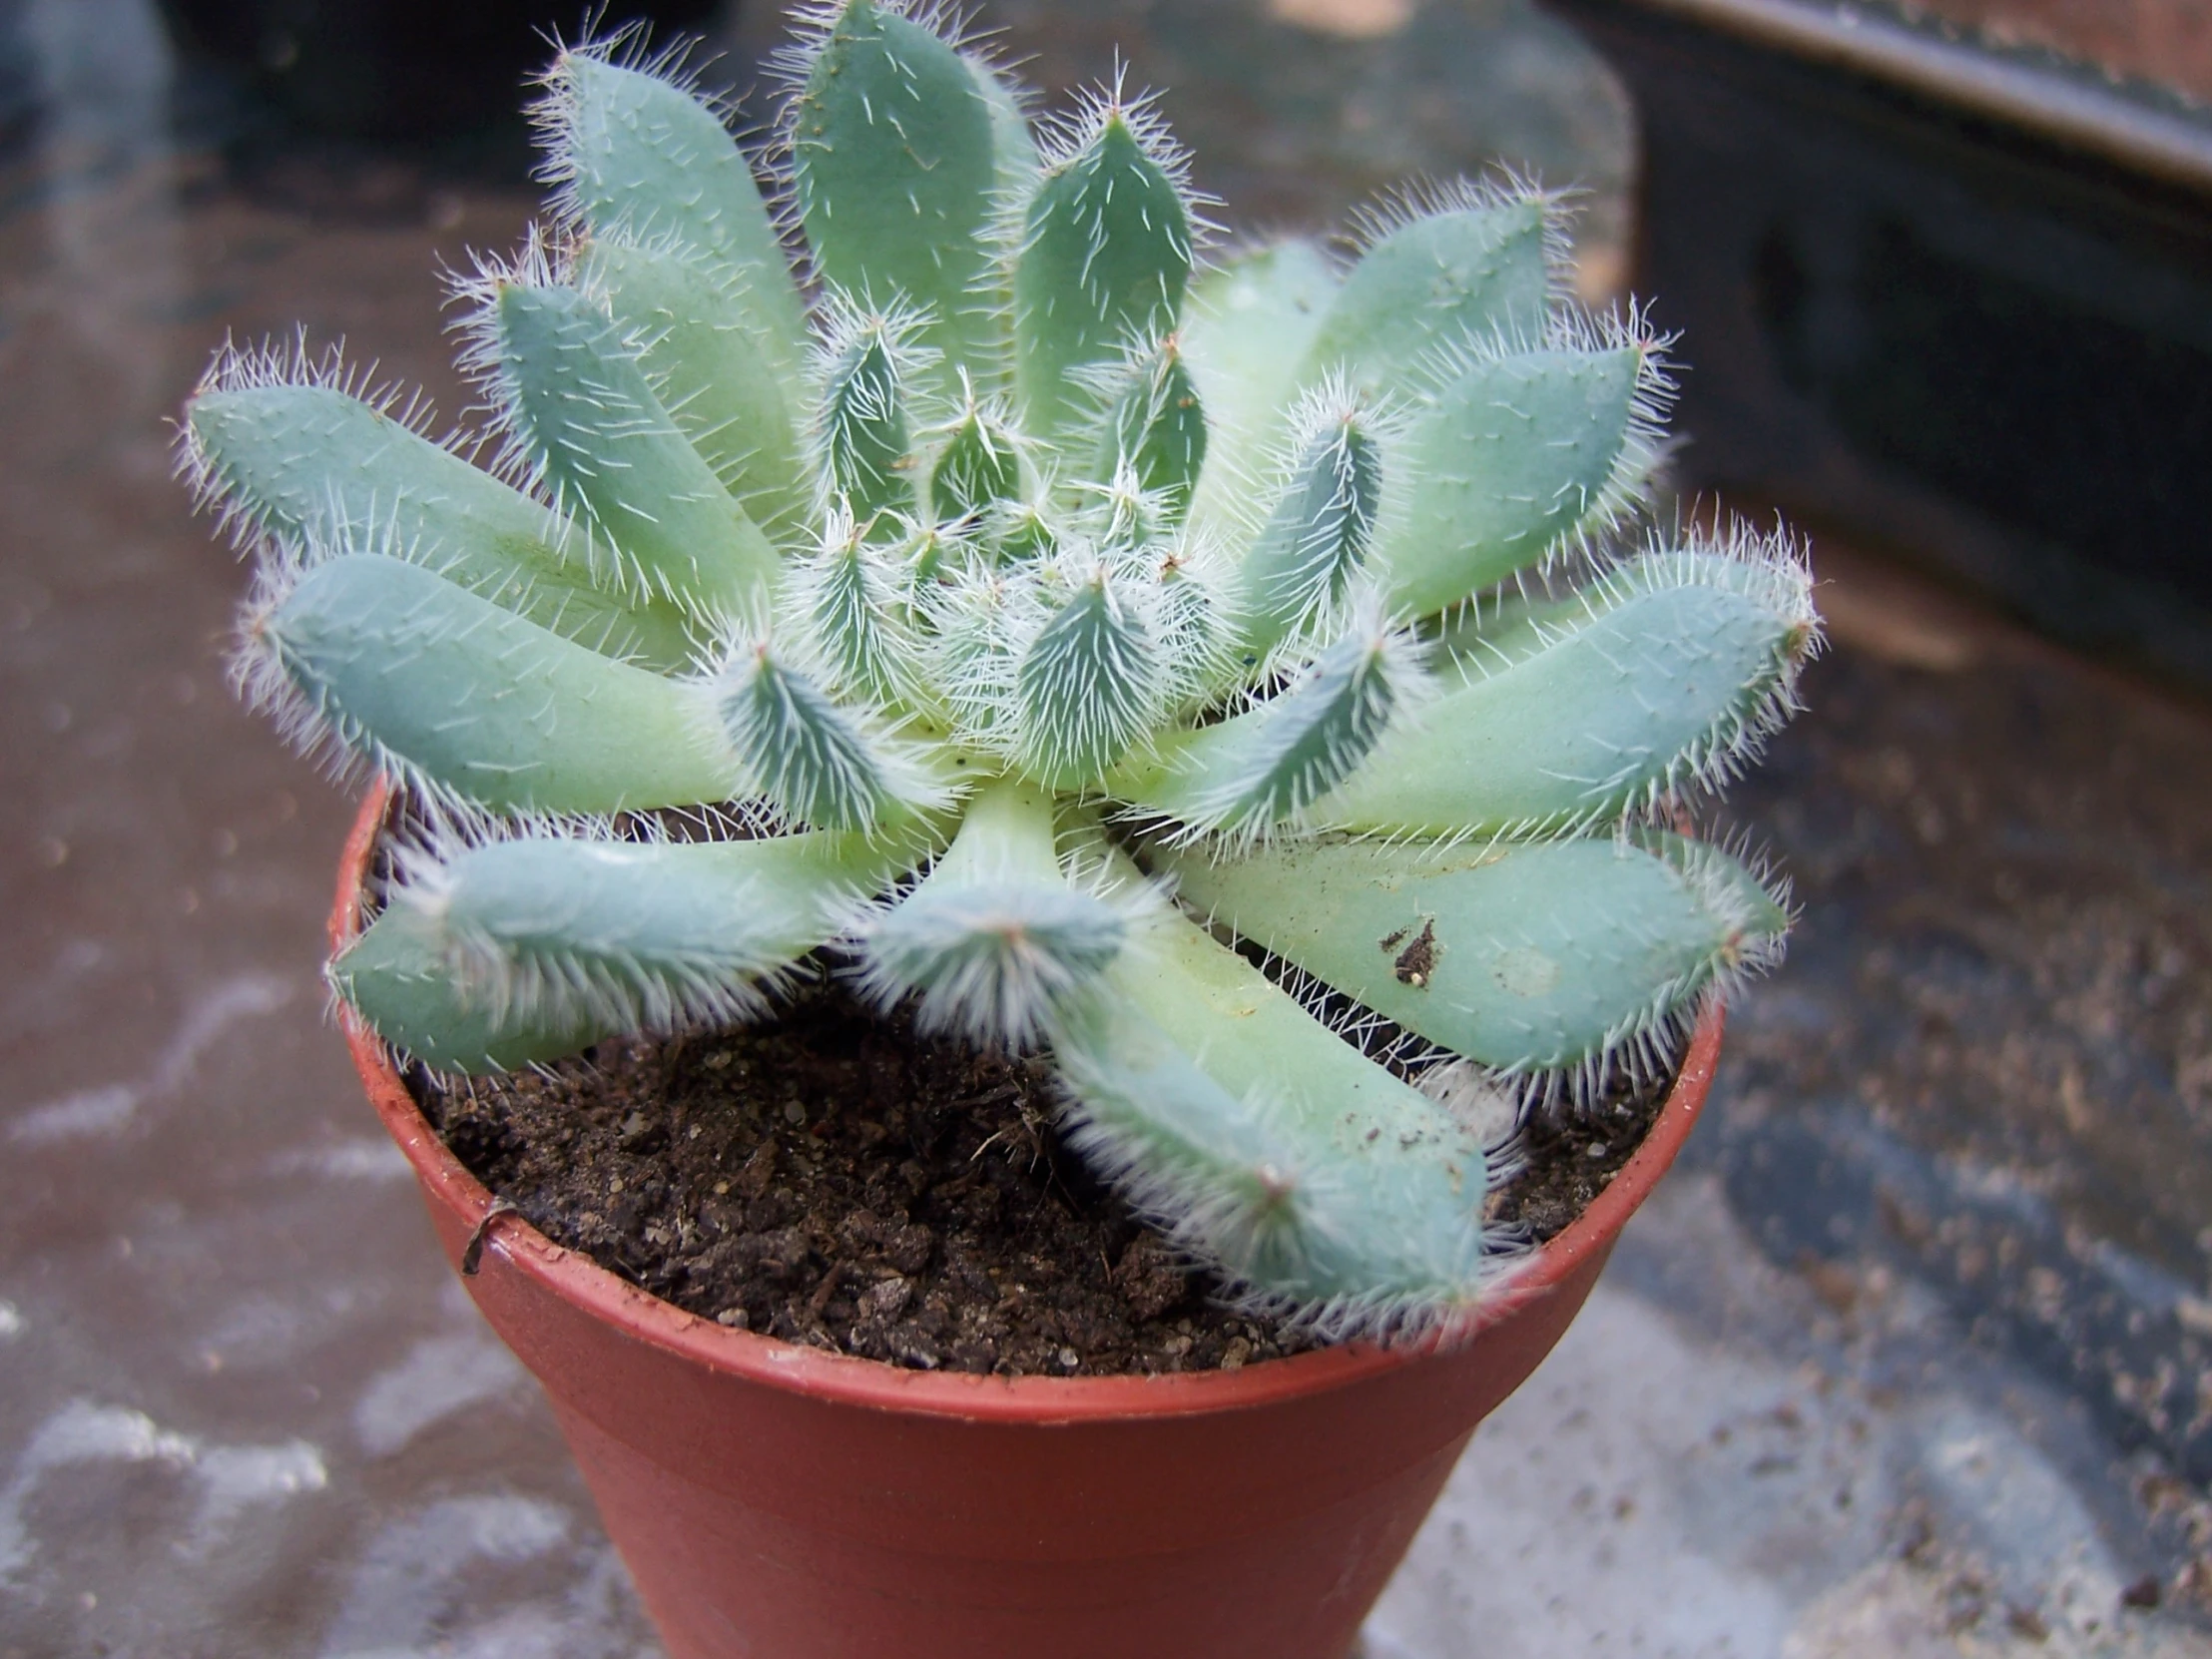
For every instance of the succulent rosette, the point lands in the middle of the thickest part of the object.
(1242, 672)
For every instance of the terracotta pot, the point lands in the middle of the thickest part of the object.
(778, 1502)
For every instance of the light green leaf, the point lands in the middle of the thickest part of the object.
(1675, 670)
(817, 762)
(1270, 1144)
(1156, 429)
(1476, 267)
(994, 939)
(978, 465)
(719, 377)
(449, 689)
(1089, 686)
(307, 463)
(895, 166)
(1532, 958)
(1515, 457)
(524, 952)
(1245, 775)
(627, 150)
(584, 419)
(1105, 257)
(1247, 325)
(866, 433)
(1316, 538)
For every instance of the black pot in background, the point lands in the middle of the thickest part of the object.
(1955, 301)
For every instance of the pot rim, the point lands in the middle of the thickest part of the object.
(574, 1278)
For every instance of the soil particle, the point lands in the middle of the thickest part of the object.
(1417, 960)
(2142, 1594)
(1572, 1156)
(831, 1177)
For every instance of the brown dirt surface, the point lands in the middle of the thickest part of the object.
(831, 1177)
(1572, 1157)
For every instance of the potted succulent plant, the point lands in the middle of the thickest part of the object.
(1178, 663)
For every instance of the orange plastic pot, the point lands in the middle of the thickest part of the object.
(775, 1501)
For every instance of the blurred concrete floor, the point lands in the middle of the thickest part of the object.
(1909, 1358)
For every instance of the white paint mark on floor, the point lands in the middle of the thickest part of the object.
(361, 1158)
(410, 1576)
(439, 1376)
(231, 1479)
(235, 1479)
(109, 1108)
(99, 1111)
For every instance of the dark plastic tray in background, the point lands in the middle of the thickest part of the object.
(1955, 300)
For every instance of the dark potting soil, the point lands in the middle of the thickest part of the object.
(831, 1177)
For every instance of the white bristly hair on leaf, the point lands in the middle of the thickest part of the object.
(1771, 568)
(1118, 511)
(843, 602)
(1290, 750)
(1092, 682)
(989, 963)
(306, 719)
(816, 762)
(544, 260)
(1196, 616)
(1645, 443)
(1252, 1225)
(518, 954)
(1418, 198)
(1312, 523)
(553, 114)
(866, 366)
(1645, 1046)
(972, 451)
(1065, 136)
(271, 363)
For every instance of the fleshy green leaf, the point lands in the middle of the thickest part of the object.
(432, 681)
(1316, 538)
(1270, 1145)
(715, 369)
(1675, 671)
(1532, 958)
(866, 430)
(815, 761)
(1105, 257)
(1155, 427)
(308, 464)
(848, 607)
(1022, 531)
(1517, 456)
(1013, 146)
(895, 166)
(1245, 775)
(583, 418)
(1089, 685)
(523, 951)
(994, 939)
(978, 465)
(1473, 266)
(1247, 325)
(631, 151)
